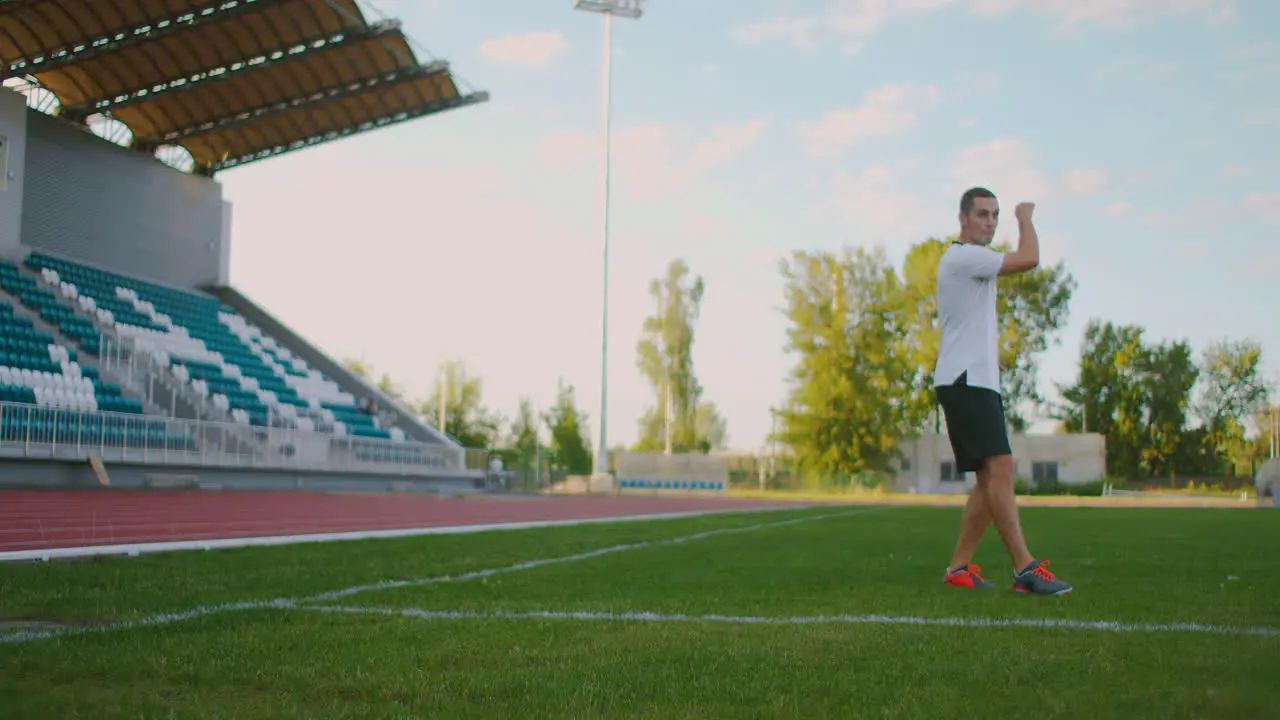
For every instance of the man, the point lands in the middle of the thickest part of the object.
(967, 379)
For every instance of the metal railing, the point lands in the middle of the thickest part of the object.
(211, 437)
(146, 375)
(33, 431)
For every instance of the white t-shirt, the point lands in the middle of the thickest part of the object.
(967, 316)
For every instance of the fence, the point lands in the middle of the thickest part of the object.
(657, 471)
(54, 433)
(518, 474)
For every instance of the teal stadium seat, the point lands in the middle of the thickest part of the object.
(208, 346)
(46, 396)
(641, 484)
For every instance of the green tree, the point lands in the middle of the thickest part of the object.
(523, 440)
(1266, 429)
(1033, 308)
(567, 426)
(1107, 397)
(664, 356)
(365, 371)
(1232, 391)
(710, 427)
(709, 431)
(467, 420)
(1169, 376)
(1139, 395)
(920, 345)
(359, 367)
(846, 411)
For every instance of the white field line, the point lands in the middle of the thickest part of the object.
(963, 622)
(25, 636)
(529, 565)
(135, 549)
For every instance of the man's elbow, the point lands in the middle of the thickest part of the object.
(1015, 263)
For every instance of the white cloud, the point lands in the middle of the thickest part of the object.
(1266, 205)
(1132, 70)
(726, 143)
(1119, 209)
(384, 9)
(1241, 213)
(894, 205)
(1191, 252)
(1263, 118)
(703, 226)
(535, 49)
(767, 257)
(887, 111)
(850, 23)
(1009, 168)
(1128, 13)
(1006, 167)
(651, 161)
(1234, 172)
(878, 203)
(1252, 51)
(1086, 182)
(1253, 63)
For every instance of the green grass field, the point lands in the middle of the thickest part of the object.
(552, 640)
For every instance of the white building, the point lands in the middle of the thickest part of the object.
(928, 465)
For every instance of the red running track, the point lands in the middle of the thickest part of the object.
(42, 520)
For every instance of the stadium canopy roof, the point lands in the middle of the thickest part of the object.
(232, 81)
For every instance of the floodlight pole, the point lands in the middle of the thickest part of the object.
(608, 8)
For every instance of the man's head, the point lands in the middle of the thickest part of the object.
(979, 215)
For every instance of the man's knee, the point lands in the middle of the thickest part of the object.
(997, 469)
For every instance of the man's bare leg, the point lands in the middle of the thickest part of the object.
(973, 524)
(1003, 506)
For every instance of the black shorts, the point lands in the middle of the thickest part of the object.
(975, 424)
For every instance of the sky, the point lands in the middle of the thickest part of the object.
(1142, 130)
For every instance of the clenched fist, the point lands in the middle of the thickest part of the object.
(1023, 211)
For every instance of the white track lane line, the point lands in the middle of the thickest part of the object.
(650, 617)
(25, 636)
(134, 549)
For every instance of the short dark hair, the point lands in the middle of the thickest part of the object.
(966, 200)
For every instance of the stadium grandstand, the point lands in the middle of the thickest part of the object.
(122, 342)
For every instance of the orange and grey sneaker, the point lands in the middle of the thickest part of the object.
(966, 576)
(1035, 579)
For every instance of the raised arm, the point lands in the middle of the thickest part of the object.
(1027, 256)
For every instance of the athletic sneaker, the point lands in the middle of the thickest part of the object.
(1036, 579)
(966, 576)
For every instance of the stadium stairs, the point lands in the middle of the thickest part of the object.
(390, 411)
(214, 356)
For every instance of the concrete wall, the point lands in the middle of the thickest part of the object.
(1078, 459)
(224, 248)
(89, 199)
(59, 474)
(13, 132)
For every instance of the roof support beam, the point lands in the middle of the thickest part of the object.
(372, 124)
(321, 96)
(313, 45)
(86, 48)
